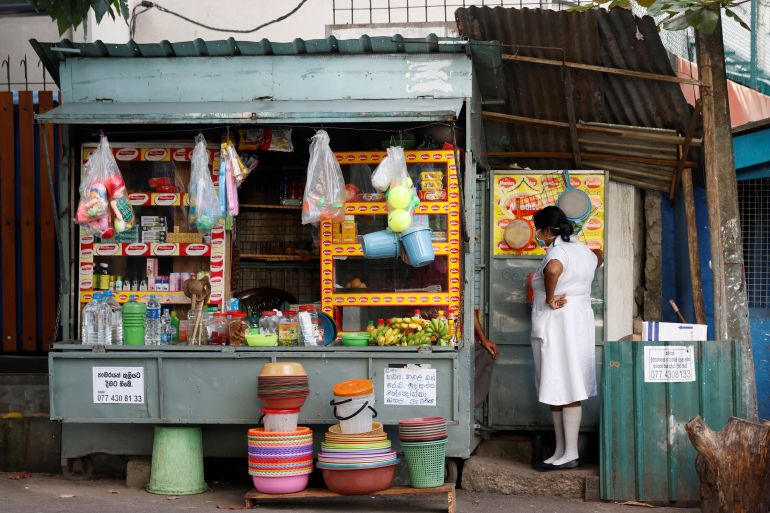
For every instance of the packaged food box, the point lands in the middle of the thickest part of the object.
(433, 195)
(431, 185)
(436, 176)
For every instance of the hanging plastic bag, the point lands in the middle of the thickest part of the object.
(103, 195)
(401, 195)
(239, 170)
(232, 164)
(324, 197)
(204, 204)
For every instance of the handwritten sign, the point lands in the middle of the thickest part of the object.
(118, 385)
(669, 364)
(410, 386)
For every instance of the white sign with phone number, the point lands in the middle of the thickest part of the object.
(669, 364)
(118, 385)
(410, 386)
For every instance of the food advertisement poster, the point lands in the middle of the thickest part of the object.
(517, 196)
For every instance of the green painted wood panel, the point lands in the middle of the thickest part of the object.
(645, 452)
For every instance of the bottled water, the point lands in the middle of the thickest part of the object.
(89, 335)
(165, 328)
(152, 323)
(103, 321)
(116, 318)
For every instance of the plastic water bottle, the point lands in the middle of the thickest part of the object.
(103, 321)
(89, 324)
(116, 318)
(165, 328)
(152, 323)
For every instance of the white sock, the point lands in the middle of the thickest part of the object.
(558, 431)
(571, 417)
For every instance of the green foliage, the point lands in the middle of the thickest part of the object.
(71, 13)
(702, 15)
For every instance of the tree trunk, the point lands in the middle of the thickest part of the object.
(733, 466)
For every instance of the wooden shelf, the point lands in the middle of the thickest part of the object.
(158, 199)
(257, 206)
(439, 248)
(164, 298)
(151, 249)
(380, 207)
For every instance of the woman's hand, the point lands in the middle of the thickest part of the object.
(557, 301)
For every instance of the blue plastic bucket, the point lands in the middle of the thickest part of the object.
(418, 245)
(382, 244)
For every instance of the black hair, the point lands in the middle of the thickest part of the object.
(553, 218)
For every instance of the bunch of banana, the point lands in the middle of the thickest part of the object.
(438, 331)
(386, 336)
(417, 338)
(409, 323)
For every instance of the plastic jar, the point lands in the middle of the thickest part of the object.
(311, 333)
(217, 329)
(281, 421)
(288, 329)
(253, 323)
(237, 327)
(268, 323)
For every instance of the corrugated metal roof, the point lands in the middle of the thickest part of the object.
(52, 53)
(613, 39)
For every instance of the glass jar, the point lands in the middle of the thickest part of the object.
(237, 328)
(217, 329)
(268, 323)
(311, 333)
(288, 329)
(253, 323)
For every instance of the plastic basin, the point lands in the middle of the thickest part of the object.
(283, 369)
(280, 484)
(261, 340)
(284, 403)
(359, 481)
(359, 338)
(418, 245)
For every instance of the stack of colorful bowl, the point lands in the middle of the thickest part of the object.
(282, 385)
(280, 462)
(357, 464)
(423, 440)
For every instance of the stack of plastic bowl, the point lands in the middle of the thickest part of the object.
(282, 385)
(423, 441)
(354, 405)
(357, 464)
(280, 462)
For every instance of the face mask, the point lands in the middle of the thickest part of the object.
(540, 242)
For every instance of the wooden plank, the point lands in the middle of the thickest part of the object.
(251, 498)
(573, 133)
(692, 246)
(685, 149)
(8, 221)
(586, 127)
(601, 157)
(602, 69)
(46, 225)
(27, 217)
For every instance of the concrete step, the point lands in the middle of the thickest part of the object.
(24, 393)
(502, 475)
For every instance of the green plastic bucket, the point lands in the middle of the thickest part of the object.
(426, 462)
(177, 461)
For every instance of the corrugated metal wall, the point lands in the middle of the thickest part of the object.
(28, 254)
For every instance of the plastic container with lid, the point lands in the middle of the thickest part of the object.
(288, 329)
(268, 323)
(311, 332)
(354, 405)
(217, 329)
(237, 326)
(253, 325)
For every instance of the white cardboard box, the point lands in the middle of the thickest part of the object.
(673, 332)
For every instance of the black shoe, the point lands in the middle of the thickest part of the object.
(542, 466)
(566, 466)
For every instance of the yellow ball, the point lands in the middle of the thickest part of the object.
(399, 197)
(399, 220)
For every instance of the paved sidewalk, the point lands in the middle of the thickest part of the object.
(54, 494)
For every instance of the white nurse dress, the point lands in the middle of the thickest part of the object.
(563, 339)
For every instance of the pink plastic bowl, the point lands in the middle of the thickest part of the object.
(282, 484)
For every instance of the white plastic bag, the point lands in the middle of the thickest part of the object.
(205, 211)
(325, 187)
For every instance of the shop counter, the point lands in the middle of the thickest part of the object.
(102, 394)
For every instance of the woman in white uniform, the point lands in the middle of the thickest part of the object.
(563, 331)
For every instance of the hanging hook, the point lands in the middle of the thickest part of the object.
(23, 63)
(7, 64)
(40, 65)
